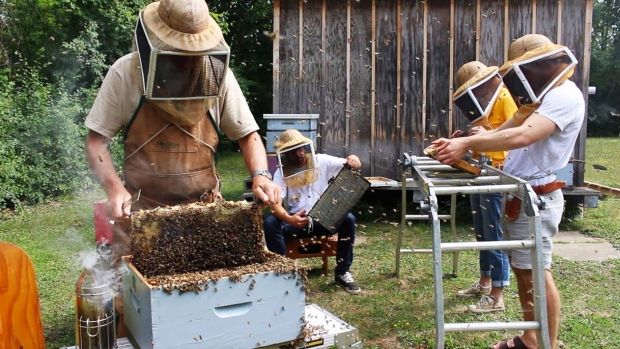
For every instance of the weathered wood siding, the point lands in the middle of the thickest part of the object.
(360, 79)
(412, 97)
(465, 48)
(335, 80)
(381, 73)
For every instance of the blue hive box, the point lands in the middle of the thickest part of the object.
(242, 311)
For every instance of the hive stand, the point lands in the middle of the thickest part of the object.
(433, 179)
(323, 247)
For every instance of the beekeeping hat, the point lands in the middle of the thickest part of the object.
(181, 25)
(291, 138)
(182, 52)
(536, 65)
(287, 148)
(183, 58)
(478, 88)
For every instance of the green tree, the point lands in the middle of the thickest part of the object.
(604, 106)
(251, 50)
(41, 149)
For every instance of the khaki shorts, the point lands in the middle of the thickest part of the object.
(550, 217)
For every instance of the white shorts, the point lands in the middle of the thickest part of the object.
(550, 217)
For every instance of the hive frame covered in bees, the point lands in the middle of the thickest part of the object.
(339, 198)
(196, 237)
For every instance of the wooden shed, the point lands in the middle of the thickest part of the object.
(380, 73)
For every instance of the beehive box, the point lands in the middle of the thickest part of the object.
(307, 124)
(323, 330)
(244, 307)
(326, 330)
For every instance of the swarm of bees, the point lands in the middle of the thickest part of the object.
(197, 237)
(200, 280)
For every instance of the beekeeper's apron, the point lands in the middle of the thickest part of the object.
(170, 164)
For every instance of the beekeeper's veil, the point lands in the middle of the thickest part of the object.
(535, 66)
(478, 89)
(290, 147)
(183, 58)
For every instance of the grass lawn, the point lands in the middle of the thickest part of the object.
(391, 312)
(603, 152)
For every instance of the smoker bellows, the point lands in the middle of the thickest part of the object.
(196, 237)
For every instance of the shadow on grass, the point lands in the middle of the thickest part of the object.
(60, 332)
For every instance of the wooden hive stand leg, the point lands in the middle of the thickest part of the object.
(325, 264)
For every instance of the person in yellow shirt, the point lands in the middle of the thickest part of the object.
(487, 104)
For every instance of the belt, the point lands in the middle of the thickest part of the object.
(548, 188)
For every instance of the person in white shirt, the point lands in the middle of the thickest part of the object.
(541, 138)
(303, 177)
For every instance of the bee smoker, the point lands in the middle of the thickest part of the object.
(95, 323)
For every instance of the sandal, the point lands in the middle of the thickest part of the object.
(516, 341)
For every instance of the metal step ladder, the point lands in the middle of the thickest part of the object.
(433, 178)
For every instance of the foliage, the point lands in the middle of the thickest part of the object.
(41, 155)
(28, 30)
(88, 64)
(604, 106)
(40, 30)
(115, 19)
(251, 49)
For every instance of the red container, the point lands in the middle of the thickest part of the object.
(103, 226)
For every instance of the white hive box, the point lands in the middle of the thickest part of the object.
(256, 310)
(327, 331)
(307, 124)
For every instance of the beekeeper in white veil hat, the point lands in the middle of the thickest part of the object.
(535, 66)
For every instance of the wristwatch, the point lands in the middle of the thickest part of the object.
(262, 173)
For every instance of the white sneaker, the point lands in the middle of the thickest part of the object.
(348, 283)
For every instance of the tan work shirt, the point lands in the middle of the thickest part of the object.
(120, 95)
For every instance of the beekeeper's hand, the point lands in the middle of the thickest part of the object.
(353, 161)
(115, 209)
(298, 220)
(449, 151)
(266, 190)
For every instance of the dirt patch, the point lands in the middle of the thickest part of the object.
(360, 240)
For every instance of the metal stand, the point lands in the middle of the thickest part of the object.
(433, 178)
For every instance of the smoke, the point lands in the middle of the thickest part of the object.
(102, 272)
(101, 279)
(96, 289)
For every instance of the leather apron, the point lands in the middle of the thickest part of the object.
(168, 165)
(171, 164)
